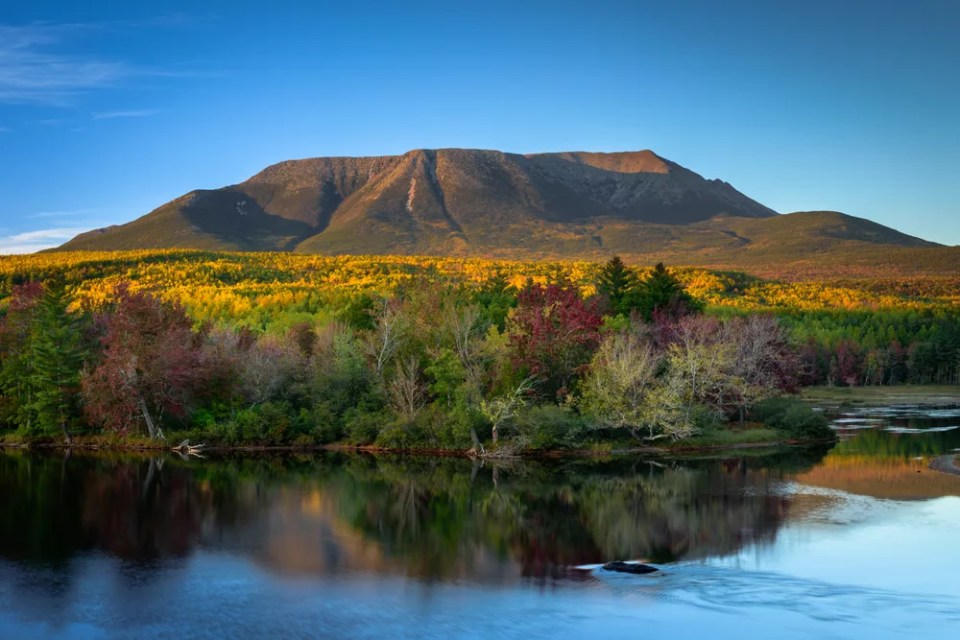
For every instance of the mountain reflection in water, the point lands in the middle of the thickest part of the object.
(428, 518)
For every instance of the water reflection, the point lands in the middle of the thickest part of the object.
(358, 546)
(900, 420)
(885, 452)
(434, 519)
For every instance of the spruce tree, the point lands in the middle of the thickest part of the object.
(616, 281)
(660, 291)
(57, 353)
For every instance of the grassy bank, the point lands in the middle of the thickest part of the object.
(732, 437)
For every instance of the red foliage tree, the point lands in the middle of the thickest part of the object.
(897, 356)
(553, 335)
(813, 365)
(152, 365)
(847, 364)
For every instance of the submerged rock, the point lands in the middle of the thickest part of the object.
(629, 567)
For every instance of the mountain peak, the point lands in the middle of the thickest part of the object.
(644, 161)
(436, 201)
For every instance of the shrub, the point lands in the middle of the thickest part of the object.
(362, 427)
(327, 426)
(270, 422)
(401, 435)
(453, 430)
(706, 420)
(772, 409)
(550, 427)
(203, 419)
(792, 416)
(803, 422)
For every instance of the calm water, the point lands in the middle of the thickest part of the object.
(858, 541)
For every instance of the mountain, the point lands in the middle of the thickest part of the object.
(495, 204)
(426, 201)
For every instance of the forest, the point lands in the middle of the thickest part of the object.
(442, 353)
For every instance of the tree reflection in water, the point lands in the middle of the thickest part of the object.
(432, 518)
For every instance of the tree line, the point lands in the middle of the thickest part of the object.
(432, 365)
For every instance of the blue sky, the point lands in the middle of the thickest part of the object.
(109, 109)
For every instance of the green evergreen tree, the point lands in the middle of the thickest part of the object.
(496, 297)
(57, 353)
(660, 291)
(616, 281)
(16, 366)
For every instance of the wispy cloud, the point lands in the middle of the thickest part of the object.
(132, 113)
(37, 66)
(40, 235)
(32, 70)
(58, 214)
(30, 241)
(5, 129)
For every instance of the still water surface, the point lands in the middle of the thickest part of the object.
(859, 541)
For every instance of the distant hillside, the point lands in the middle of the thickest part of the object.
(494, 204)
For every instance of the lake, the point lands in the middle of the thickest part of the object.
(860, 540)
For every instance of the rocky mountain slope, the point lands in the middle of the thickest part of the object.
(490, 203)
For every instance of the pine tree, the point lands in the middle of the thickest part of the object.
(57, 353)
(660, 292)
(616, 281)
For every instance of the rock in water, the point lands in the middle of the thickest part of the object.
(629, 567)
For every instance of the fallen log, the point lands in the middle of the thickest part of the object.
(187, 449)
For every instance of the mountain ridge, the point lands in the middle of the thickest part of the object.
(491, 203)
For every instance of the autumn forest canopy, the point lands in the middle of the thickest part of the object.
(443, 353)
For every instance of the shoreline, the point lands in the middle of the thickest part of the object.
(452, 453)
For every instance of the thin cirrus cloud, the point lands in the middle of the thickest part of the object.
(131, 113)
(31, 71)
(30, 241)
(35, 68)
(58, 214)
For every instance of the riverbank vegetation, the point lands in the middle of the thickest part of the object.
(436, 353)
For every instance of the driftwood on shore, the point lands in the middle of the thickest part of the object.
(186, 449)
(511, 451)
